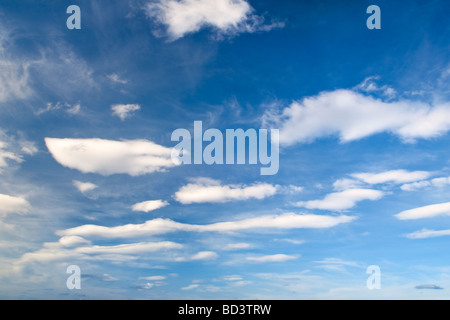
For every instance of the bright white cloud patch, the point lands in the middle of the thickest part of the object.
(148, 206)
(124, 111)
(352, 115)
(13, 205)
(107, 157)
(163, 226)
(84, 187)
(441, 209)
(272, 258)
(342, 200)
(207, 190)
(225, 16)
(395, 176)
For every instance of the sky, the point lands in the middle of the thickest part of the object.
(87, 178)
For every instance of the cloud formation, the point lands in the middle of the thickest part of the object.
(108, 157)
(148, 206)
(163, 226)
(207, 190)
(352, 115)
(13, 205)
(434, 210)
(124, 111)
(272, 258)
(342, 200)
(182, 17)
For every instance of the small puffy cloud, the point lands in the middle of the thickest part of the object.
(163, 226)
(208, 190)
(13, 205)
(342, 200)
(124, 111)
(108, 157)
(84, 187)
(431, 211)
(272, 258)
(352, 115)
(228, 17)
(148, 206)
(394, 176)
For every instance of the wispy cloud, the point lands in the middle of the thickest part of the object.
(163, 226)
(428, 287)
(425, 233)
(436, 182)
(107, 157)
(272, 258)
(13, 205)
(342, 200)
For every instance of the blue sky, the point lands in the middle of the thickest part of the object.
(86, 179)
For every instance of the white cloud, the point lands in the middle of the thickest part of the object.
(14, 75)
(237, 246)
(425, 233)
(352, 116)
(153, 278)
(148, 206)
(114, 77)
(107, 157)
(273, 258)
(7, 155)
(13, 205)
(345, 184)
(191, 287)
(436, 182)
(73, 241)
(84, 187)
(207, 190)
(70, 248)
(232, 278)
(182, 17)
(163, 226)
(202, 255)
(67, 107)
(342, 200)
(434, 210)
(395, 176)
(124, 111)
